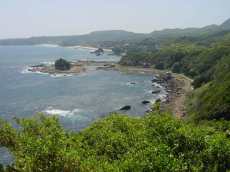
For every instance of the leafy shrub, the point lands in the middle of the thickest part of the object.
(120, 143)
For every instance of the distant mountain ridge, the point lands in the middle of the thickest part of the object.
(226, 24)
(118, 35)
(192, 32)
(93, 37)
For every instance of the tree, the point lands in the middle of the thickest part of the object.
(62, 64)
(176, 67)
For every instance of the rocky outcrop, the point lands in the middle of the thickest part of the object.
(125, 108)
(156, 91)
(145, 102)
(98, 52)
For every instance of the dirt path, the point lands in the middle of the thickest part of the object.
(179, 87)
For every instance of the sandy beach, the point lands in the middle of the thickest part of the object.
(91, 48)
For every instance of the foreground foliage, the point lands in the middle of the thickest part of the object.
(156, 142)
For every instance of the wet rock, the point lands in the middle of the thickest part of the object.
(148, 111)
(155, 80)
(145, 102)
(156, 91)
(132, 83)
(98, 52)
(160, 82)
(168, 76)
(125, 108)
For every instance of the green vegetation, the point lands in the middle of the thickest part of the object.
(191, 59)
(212, 101)
(207, 64)
(62, 64)
(156, 142)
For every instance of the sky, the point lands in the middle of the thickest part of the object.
(25, 18)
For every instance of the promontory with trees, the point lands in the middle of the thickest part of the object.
(200, 141)
(62, 64)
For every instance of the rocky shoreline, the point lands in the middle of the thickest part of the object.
(177, 86)
(76, 67)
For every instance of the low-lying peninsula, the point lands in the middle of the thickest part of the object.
(75, 67)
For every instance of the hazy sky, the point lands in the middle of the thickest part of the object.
(23, 18)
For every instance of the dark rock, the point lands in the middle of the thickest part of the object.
(145, 102)
(155, 80)
(127, 107)
(39, 65)
(168, 76)
(98, 52)
(148, 111)
(109, 65)
(160, 82)
(156, 91)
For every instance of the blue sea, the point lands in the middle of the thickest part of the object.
(78, 100)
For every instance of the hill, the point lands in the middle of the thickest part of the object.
(226, 25)
(119, 38)
(202, 56)
(91, 38)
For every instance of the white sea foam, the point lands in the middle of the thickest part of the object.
(47, 45)
(157, 85)
(48, 63)
(28, 69)
(152, 101)
(89, 48)
(162, 97)
(60, 75)
(60, 112)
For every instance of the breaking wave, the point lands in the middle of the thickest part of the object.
(60, 112)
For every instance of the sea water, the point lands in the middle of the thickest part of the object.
(77, 99)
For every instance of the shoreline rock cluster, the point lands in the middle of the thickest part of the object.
(167, 80)
(176, 88)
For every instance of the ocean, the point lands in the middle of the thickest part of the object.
(77, 100)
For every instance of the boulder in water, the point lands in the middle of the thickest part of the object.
(125, 108)
(145, 102)
(156, 91)
(155, 80)
(148, 111)
(132, 83)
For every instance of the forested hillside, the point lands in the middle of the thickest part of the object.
(202, 57)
